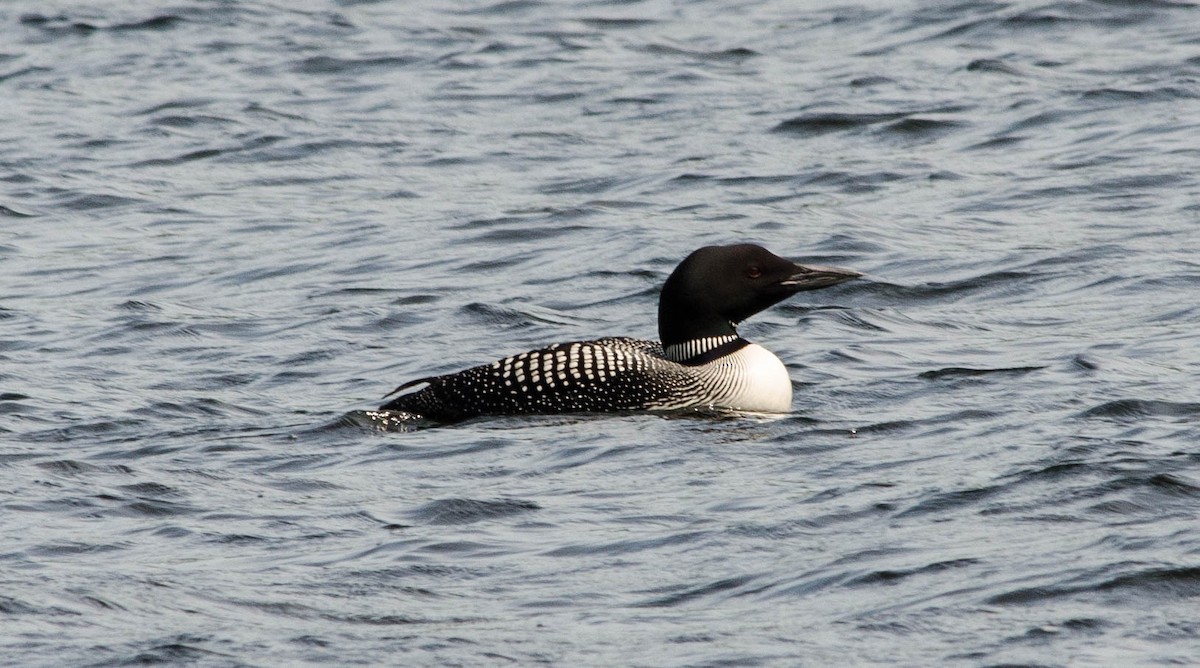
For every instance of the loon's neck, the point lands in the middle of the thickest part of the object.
(705, 349)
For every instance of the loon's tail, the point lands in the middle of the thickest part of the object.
(400, 403)
(411, 383)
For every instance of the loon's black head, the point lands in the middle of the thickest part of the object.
(716, 287)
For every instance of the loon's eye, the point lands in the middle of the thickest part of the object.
(754, 271)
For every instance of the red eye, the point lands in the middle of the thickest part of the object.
(754, 271)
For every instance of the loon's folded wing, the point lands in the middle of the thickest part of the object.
(610, 374)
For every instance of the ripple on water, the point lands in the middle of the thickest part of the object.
(1129, 409)
(467, 511)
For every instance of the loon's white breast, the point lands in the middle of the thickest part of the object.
(750, 379)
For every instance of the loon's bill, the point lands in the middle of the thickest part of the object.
(698, 362)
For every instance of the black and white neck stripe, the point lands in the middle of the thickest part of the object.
(704, 350)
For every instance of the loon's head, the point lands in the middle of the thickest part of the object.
(716, 287)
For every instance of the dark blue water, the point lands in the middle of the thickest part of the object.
(226, 229)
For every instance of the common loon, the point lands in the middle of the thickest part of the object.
(700, 363)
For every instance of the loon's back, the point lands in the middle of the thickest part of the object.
(702, 362)
(612, 374)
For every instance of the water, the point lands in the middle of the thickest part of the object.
(229, 228)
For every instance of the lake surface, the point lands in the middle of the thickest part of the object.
(227, 229)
